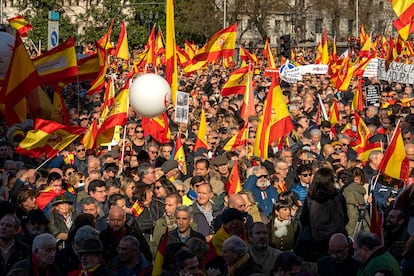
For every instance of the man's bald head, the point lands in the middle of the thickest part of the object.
(409, 150)
(116, 218)
(237, 201)
(339, 247)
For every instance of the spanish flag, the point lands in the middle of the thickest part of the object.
(237, 82)
(233, 184)
(357, 103)
(325, 51)
(122, 50)
(159, 256)
(334, 116)
(171, 73)
(179, 155)
(137, 209)
(201, 140)
(157, 127)
(48, 138)
(245, 55)
(20, 25)
(267, 53)
(220, 45)
(395, 162)
(239, 139)
(404, 9)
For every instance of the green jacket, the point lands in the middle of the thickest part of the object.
(380, 260)
(354, 195)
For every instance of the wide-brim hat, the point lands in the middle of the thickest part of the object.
(61, 199)
(92, 246)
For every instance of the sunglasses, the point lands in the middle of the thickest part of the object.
(139, 131)
(157, 187)
(262, 176)
(306, 174)
(81, 150)
(406, 138)
(181, 191)
(84, 119)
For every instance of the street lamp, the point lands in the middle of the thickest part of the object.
(150, 19)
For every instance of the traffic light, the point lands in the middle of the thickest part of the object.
(285, 46)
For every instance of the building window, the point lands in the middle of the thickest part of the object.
(381, 6)
(318, 25)
(278, 25)
(350, 26)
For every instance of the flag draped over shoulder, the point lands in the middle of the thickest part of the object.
(404, 9)
(395, 162)
(21, 78)
(58, 63)
(171, 73)
(20, 25)
(275, 121)
(159, 256)
(49, 138)
(220, 45)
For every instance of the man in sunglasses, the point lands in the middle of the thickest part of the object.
(80, 158)
(264, 193)
(304, 174)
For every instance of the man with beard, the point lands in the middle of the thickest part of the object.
(12, 250)
(395, 233)
(264, 194)
(117, 229)
(259, 248)
(41, 262)
(130, 261)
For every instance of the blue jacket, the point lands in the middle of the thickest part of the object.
(265, 204)
(301, 191)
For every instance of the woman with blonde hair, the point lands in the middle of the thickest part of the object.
(61, 217)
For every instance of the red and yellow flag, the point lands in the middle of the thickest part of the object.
(404, 9)
(159, 256)
(179, 155)
(58, 63)
(59, 112)
(357, 103)
(98, 84)
(220, 45)
(334, 116)
(233, 185)
(395, 162)
(20, 25)
(275, 121)
(267, 53)
(171, 73)
(246, 56)
(201, 140)
(122, 50)
(239, 139)
(157, 127)
(325, 51)
(189, 49)
(48, 138)
(105, 40)
(21, 78)
(237, 82)
(137, 209)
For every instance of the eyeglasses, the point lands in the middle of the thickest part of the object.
(181, 191)
(139, 131)
(157, 187)
(153, 152)
(406, 138)
(306, 174)
(84, 119)
(80, 150)
(262, 176)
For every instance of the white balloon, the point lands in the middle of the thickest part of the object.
(149, 95)
(6, 51)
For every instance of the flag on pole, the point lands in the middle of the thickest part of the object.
(179, 155)
(48, 138)
(233, 185)
(246, 56)
(201, 140)
(171, 73)
(325, 51)
(267, 53)
(21, 78)
(395, 162)
(404, 9)
(20, 25)
(237, 82)
(137, 209)
(220, 45)
(122, 50)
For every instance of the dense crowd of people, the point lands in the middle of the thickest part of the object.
(306, 210)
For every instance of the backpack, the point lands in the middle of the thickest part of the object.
(326, 218)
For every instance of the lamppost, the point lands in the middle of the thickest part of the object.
(150, 19)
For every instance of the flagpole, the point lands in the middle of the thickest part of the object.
(47, 160)
(325, 116)
(124, 136)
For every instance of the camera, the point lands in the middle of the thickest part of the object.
(362, 208)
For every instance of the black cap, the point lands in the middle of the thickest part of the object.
(231, 214)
